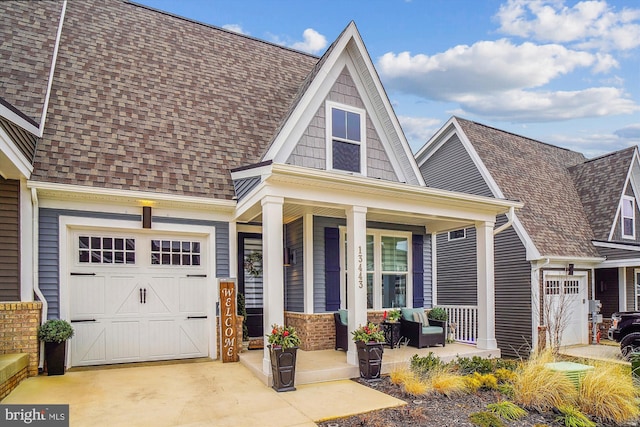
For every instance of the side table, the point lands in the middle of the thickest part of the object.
(391, 333)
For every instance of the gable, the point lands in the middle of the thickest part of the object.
(311, 149)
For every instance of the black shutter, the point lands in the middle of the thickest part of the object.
(332, 269)
(418, 270)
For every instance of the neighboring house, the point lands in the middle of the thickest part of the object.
(575, 238)
(175, 154)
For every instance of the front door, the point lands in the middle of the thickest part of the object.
(250, 280)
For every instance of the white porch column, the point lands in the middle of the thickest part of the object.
(272, 269)
(307, 256)
(357, 274)
(486, 287)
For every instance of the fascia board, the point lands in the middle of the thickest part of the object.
(435, 142)
(16, 119)
(15, 156)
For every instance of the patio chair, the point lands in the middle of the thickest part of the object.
(342, 335)
(421, 331)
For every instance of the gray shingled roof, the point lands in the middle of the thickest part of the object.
(600, 183)
(144, 100)
(537, 174)
(27, 39)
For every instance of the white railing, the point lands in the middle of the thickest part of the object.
(464, 322)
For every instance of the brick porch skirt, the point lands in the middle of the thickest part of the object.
(19, 323)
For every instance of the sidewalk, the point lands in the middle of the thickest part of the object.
(206, 393)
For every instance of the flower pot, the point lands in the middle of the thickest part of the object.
(54, 355)
(370, 359)
(283, 367)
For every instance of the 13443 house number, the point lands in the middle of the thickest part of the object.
(360, 277)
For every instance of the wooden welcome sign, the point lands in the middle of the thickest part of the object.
(228, 321)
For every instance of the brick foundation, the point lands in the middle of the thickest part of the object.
(19, 323)
(8, 386)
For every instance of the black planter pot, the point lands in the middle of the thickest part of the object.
(370, 359)
(283, 368)
(54, 354)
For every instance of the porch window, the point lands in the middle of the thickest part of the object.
(458, 234)
(628, 217)
(345, 138)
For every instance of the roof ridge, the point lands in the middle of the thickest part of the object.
(215, 27)
(613, 153)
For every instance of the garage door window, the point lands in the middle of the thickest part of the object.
(175, 252)
(106, 250)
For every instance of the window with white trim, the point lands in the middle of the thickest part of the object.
(458, 234)
(175, 252)
(345, 138)
(628, 217)
(106, 250)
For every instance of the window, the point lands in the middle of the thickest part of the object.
(572, 287)
(387, 265)
(345, 147)
(636, 273)
(458, 234)
(106, 250)
(628, 217)
(175, 252)
(552, 287)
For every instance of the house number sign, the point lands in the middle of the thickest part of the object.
(228, 321)
(360, 259)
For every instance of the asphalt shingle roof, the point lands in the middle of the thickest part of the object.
(537, 174)
(144, 100)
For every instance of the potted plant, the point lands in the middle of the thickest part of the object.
(283, 346)
(55, 333)
(369, 340)
(392, 315)
(438, 313)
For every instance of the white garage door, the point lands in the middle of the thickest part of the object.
(566, 308)
(137, 298)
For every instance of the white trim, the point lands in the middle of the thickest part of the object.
(329, 138)
(307, 266)
(636, 294)
(622, 288)
(619, 210)
(629, 262)
(614, 245)
(631, 236)
(27, 236)
(8, 148)
(434, 270)
(464, 235)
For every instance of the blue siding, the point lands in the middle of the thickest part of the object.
(49, 250)
(319, 224)
(418, 270)
(243, 186)
(294, 274)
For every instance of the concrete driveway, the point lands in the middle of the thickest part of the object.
(206, 393)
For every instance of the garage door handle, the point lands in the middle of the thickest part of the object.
(83, 274)
(83, 320)
(143, 295)
(196, 275)
(196, 317)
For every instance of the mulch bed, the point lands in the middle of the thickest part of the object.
(436, 410)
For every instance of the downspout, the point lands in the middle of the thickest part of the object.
(36, 276)
(52, 70)
(509, 223)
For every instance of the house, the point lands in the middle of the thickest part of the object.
(574, 240)
(170, 154)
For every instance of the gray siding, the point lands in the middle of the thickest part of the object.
(512, 293)
(244, 186)
(25, 141)
(617, 232)
(9, 240)
(451, 168)
(457, 269)
(294, 274)
(428, 271)
(49, 251)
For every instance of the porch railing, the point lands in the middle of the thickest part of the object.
(464, 319)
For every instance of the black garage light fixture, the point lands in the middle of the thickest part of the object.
(146, 217)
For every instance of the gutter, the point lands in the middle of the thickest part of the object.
(36, 277)
(509, 223)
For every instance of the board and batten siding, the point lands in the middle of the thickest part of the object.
(9, 240)
(451, 168)
(49, 247)
(294, 273)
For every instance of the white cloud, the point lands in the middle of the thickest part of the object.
(418, 130)
(484, 67)
(313, 41)
(592, 144)
(588, 24)
(236, 28)
(630, 132)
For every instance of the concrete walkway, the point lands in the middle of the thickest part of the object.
(206, 393)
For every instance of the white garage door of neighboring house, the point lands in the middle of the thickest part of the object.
(566, 301)
(137, 298)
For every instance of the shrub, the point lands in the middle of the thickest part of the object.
(475, 364)
(540, 388)
(570, 416)
(507, 410)
(438, 313)
(422, 365)
(447, 383)
(485, 419)
(55, 330)
(505, 375)
(400, 375)
(415, 386)
(608, 393)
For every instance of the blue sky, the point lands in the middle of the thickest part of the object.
(563, 72)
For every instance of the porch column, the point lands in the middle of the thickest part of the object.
(486, 287)
(272, 269)
(357, 274)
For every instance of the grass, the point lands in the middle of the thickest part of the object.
(507, 410)
(571, 416)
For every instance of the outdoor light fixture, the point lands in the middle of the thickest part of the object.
(570, 269)
(146, 217)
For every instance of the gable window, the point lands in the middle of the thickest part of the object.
(458, 234)
(345, 138)
(628, 217)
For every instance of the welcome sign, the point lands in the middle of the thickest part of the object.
(228, 321)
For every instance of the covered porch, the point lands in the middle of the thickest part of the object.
(291, 207)
(331, 365)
